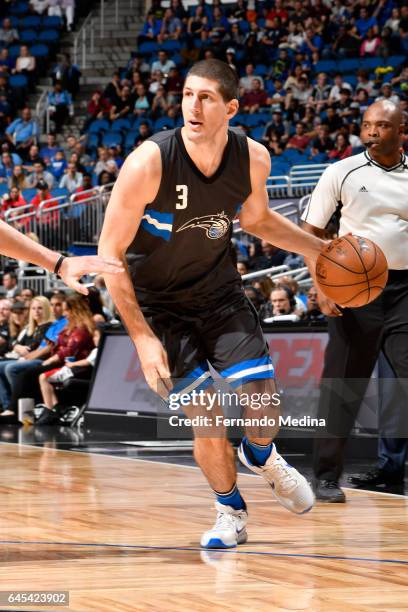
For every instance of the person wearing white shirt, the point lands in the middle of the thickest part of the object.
(72, 180)
(369, 192)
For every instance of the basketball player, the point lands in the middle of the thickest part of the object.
(369, 191)
(70, 269)
(173, 205)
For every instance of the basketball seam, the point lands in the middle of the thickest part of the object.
(362, 263)
(353, 284)
(354, 297)
(339, 264)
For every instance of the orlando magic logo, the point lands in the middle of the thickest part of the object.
(215, 226)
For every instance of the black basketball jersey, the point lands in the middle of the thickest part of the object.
(182, 250)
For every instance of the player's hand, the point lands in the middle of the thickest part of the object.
(328, 307)
(72, 268)
(155, 365)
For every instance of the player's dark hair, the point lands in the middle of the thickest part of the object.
(216, 70)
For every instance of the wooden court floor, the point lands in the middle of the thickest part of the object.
(123, 535)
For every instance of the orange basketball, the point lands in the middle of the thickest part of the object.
(352, 271)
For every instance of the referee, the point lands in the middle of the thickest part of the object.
(370, 193)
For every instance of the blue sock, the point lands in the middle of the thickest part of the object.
(258, 453)
(232, 498)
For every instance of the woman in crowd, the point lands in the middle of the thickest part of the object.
(23, 348)
(342, 148)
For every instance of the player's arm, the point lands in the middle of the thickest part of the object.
(321, 207)
(137, 185)
(16, 245)
(258, 219)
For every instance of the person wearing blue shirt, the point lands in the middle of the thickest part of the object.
(365, 22)
(59, 105)
(49, 151)
(23, 132)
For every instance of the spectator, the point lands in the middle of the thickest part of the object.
(163, 63)
(113, 89)
(13, 199)
(366, 23)
(58, 165)
(370, 44)
(332, 120)
(85, 191)
(6, 167)
(106, 178)
(313, 312)
(143, 101)
(171, 27)
(245, 82)
(98, 108)
(281, 303)
(160, 103)
(10, 284)
(102, 159)
(59, 106)
(8, 34)
(26, 64)
(23, 132)
(276, 126)
(342, 148)
(27, 341)
(68, 11)
(387, 94)
(144, 133)
(255, 98)
(299, 140)
(44, 195)
(271, 257)
(39, 174)
(68, 74)
(5, 310)
(347, 42)
(6, 63)
(72, 179)
(218, 23)
(334, 95)
(151, 28)
(48, 152)
(123, 105)
(289, 282)
(26, 295)
(322, 142)
(33, 157)
(39, 6)
(393, 21)
(174, 85)
(18, 178)
(303, 92)
(74, 341)
(242, 268)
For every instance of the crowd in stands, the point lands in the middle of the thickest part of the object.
(307, 71)
(47, 341)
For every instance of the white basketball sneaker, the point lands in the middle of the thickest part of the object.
(289, 487)
(229, 529)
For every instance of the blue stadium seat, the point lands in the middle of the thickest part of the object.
(49, 36)
(260, 70)
(14, 21)
(264, 117)
(28, 36)
(59, 191)
(369, 63)
(325, 66)
(146, 48)
(163, 123)
(239, 119)
(170, 45)
(39, 50)
(179, 122)
(395, 60)
(29, 194)
(14, 51)
(20, 8)
(139, 120)
(177, 59)
(3, 189)
(53, 21)
(121, 124)
(112, 139)
(349, 65)
(18, 80)
(31, 21)
(92, 141)
(130, 139)
(257, 132)
(243, 26)
(98, 126)
(252, 121)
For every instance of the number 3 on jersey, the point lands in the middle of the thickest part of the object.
(183, 191)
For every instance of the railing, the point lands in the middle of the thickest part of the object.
(303, 178)
(301, 275)
(95, 26)
(42, 112)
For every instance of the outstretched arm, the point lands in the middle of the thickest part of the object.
(258, 219)
(14, 244)
(137, 184)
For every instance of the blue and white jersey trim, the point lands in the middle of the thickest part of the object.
(252, 369)
(158, 223)
(198, 379)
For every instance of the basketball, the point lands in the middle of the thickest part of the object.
(352, 271)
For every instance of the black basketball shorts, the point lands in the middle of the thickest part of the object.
(229, 337)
